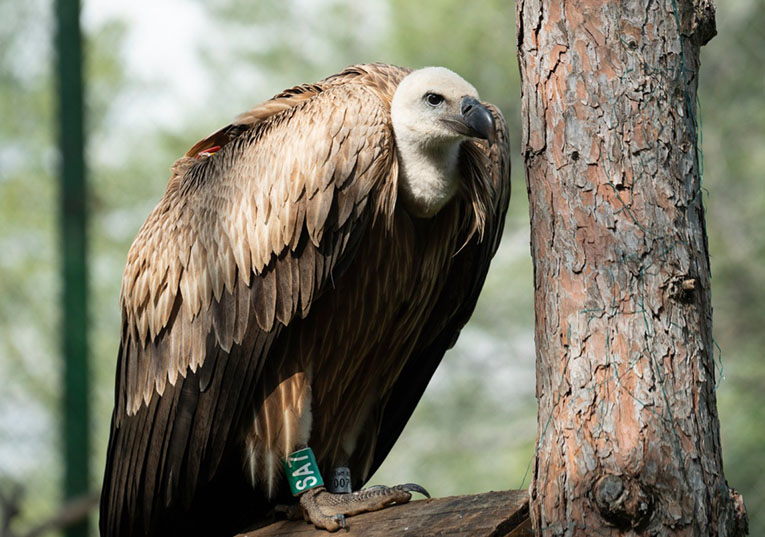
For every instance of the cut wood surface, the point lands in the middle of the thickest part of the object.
(491, 514)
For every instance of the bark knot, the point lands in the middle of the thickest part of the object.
(682, 288)
(623, 502)
(704, 25)
(740, 518)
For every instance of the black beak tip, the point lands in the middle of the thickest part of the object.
(478, 118)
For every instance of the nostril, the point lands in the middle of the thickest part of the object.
(468, 104)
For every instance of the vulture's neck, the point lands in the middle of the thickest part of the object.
(428, 175)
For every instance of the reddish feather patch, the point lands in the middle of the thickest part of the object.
(208, 152)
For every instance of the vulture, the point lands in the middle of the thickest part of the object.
(296, 287)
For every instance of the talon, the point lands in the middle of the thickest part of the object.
(414, 487)
(329, 510)
(340, 519)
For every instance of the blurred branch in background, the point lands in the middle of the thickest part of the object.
(73, 211)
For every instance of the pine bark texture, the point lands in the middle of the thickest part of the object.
(628, 428)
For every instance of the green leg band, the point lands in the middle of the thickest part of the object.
(302, 471)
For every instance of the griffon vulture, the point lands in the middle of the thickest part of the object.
(296, 286)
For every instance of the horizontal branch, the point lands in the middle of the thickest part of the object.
(491, 514)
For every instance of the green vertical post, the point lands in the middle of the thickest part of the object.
(74, 313)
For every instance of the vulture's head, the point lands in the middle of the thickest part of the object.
(433, 111)
(435, 105)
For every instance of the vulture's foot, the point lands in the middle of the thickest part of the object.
(327, 510)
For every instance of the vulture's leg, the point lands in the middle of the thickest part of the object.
(327, 510)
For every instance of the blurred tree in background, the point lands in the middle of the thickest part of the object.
(160, 77)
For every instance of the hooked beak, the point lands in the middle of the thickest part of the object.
(475, 120)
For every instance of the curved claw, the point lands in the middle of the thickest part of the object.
(340, 519)
(414, 487)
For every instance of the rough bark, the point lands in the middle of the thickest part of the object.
(628, 438)
(492, 514)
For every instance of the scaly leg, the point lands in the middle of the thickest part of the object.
(328, 511)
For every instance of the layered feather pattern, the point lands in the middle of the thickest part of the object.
(278, 296)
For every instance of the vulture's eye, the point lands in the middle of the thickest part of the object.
(434, 99)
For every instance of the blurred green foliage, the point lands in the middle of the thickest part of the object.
(476, 426)
(732, 95)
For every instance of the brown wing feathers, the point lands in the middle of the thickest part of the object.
(200, 241)
(240, 244)
(258, 221)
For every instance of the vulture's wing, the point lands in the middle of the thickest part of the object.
(457, 301)
(246, 237)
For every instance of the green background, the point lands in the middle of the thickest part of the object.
(160, 76)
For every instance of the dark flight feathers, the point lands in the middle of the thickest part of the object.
(263, 222)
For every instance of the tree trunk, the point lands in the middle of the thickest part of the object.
(628, 429)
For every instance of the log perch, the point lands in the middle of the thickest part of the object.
(491, 514)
